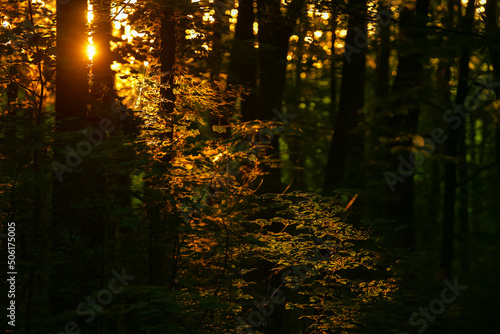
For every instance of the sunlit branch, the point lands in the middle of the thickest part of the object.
(121, 9)
(18, 83)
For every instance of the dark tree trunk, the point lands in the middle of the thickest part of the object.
(333, 60)
(455, 137)
(352, 91)
(407, 89)
(164, 241)
(274, 33)
(71, 101)
(296, 144)
(214, 65)
(12, 104)
(103, 76)
(216, 56)
(37, 142)
(463, 202)
(375, 156)
(167, 60)
(101, 96)
(243, 62)
(493, 33)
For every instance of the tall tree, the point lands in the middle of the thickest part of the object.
(102, 75)
(407, 87)
(493, 34)
(243, 61)
(456, 140)
(162, 228)
(71, 107)
(352, 91)
(275, 29)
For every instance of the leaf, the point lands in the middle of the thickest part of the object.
(219, 129)
(28, 25)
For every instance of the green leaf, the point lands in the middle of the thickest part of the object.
(219, 129)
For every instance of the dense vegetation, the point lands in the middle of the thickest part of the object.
(260, 166)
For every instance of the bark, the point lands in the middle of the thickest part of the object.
(167, 60)
(243, 62)
(374, 153)
(163, 239)
(493, 33)
(333, 67)
(274, 34)
(101, 96)
(71, 101)
(352, 93)
(37, 141)
(103, 76)
(463, 202)
(455, 136)
(383, 55)
(407, 88)
(215, 59)
(12, 105)
(297, 155)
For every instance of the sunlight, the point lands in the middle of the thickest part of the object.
(208, 17)
(90, 46)
(90, 13)
(310, 11)
(91, 51)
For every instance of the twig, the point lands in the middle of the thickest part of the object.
(17, 82)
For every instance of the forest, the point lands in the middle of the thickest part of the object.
(249, 166)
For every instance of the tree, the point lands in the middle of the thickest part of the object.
(351, 98)
(456, 139)
(70, 115)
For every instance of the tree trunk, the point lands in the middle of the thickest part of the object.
(352, 91)
(103, 76)
(162, 264)
(455, 136)
(295, 144)
(71, 103)
(167, 60)
(375, 156)
(493, 33)
(406, 110)
(243, 62)
(274, 34)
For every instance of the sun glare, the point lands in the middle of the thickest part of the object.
(91, 51)
(90, 45)
(90, 14)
